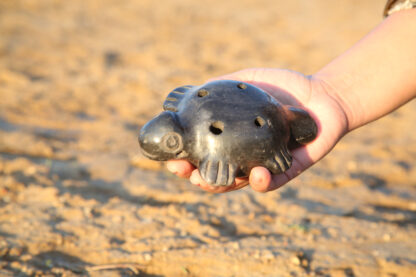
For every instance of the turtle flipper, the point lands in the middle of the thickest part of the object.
(174, 98)
(217, 172)
(280, 162)
(303, 128)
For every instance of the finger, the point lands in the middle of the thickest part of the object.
(180, 168)
(260, 179)
(241, 75)
(197, 180)
(300, 163)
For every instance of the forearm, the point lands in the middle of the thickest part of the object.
(376, 75)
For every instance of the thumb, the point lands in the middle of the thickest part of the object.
(246, 75)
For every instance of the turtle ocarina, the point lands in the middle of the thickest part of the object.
(225, 128)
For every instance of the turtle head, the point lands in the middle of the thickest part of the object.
(161, 138)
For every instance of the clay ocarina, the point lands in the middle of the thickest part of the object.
(225, 128)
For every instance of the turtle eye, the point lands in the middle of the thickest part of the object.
(172, 142)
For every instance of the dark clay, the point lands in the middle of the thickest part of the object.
(225, 128)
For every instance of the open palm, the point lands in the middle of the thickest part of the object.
(290, 88)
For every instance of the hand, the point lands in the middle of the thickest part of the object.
(289, 88)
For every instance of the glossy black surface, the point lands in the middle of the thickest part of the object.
(225, 128)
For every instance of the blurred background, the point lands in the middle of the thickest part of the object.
(79, 78)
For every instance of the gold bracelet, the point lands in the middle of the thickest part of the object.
(393, 6)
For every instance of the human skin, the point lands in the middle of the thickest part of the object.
(374, 77)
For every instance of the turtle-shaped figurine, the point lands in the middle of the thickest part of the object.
(225, 128)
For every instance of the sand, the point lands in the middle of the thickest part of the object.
(79, 78)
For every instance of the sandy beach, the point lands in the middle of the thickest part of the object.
(79, 78)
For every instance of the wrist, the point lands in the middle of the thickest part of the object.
(377, 74)
(341, 110)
